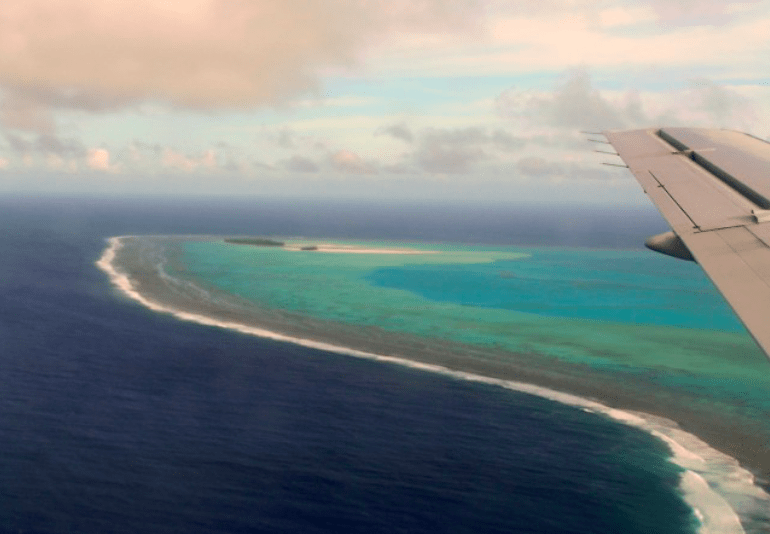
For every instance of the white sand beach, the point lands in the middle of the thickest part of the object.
(350, 249)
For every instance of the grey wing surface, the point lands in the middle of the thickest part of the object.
(713, 188)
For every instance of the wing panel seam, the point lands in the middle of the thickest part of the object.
(678, 205)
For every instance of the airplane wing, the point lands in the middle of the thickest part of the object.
(713, 188)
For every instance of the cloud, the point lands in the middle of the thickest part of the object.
(349, 162)
(20, 112)
(447, 159)
(618, 16)
(285, 139)
(631, 38)
(52, 144)
(575, 104)
(197, 53)
(46, 143)
(300, 164)
(176, 160)
(691, 12)
(398, 168)
(562, 169)
(473, 135)
(552, 119)
(4, 163)
(535, 166)
(431, 150)
(398, 131)
(457, 150)
(55, 161)
(98, 159)
(721, 104)
(18, 144)
(152, 148)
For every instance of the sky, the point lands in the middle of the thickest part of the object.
(385, 99)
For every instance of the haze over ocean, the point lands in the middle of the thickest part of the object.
(121, 419)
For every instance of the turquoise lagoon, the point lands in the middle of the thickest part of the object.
(631, 310)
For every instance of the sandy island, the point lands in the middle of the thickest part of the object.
(349, 249)
(322, 247)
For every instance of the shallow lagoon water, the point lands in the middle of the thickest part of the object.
(582, 305)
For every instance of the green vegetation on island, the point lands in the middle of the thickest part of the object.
(255, 241)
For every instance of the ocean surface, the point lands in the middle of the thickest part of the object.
(527, 374)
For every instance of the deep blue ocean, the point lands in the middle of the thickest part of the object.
(114, 418)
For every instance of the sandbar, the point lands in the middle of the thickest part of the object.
(350, 249)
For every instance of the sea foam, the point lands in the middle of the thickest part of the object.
(722, 494)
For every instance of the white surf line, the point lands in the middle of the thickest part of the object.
(714, 484)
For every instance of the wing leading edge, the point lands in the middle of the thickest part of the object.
(713, 188)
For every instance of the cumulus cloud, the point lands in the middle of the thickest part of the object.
(54, 152)
(445, 159)
(558, 170)
(349, 162)
(430, 150)
(614, 12)
(552, 120)
(18, 143)
(457, 150)
(197, 53)
(575, 103)
(176, 160)
(536, 166)
(454, 136)
(300, 164)
(698, 11)
(98, 159)
(55, 162)
(285, 139)
(398, 131)
(139, 147)
(23, 112)
(722, 105)
(398, 168)
(53, 144)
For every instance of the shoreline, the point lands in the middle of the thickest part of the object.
(703, 465)
(323, 247)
